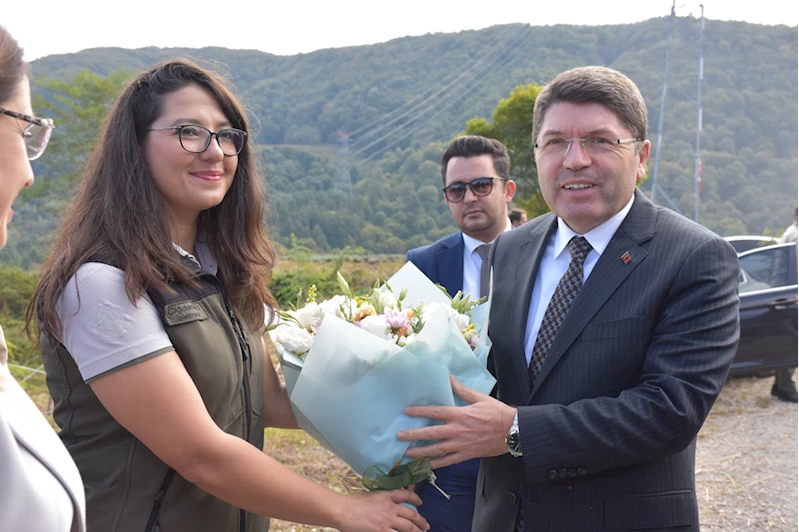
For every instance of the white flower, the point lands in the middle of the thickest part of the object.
(462, 321)
(308, 314)
(293, 338)
(334, 304)
(428, 310)
(388, 299)
(376, 324)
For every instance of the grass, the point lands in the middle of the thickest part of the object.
(359, 271)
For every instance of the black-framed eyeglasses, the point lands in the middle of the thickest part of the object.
(196, 139)
(36, 135)
(482, 186)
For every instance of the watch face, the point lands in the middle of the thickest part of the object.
(514, 442)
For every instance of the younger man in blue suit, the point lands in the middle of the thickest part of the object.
(477, 188)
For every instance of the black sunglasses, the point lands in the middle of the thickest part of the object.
(482, 186)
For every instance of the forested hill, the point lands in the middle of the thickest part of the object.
(401, 101)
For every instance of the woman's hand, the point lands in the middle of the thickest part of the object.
(380, 511)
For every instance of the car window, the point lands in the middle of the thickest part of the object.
(746, 243)
(763, 269)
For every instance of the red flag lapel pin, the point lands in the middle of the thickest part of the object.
(626, 257)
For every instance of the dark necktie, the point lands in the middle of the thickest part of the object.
(567, 289)
(484, 268)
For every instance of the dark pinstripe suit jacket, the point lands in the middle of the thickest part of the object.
(608, 429)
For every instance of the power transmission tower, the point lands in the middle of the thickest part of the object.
(698, 165)
(343, 180)
(662, 106)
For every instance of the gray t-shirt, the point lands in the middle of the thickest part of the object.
(102, 330)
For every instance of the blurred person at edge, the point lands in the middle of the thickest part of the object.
(784, 387)
(40, 487)
(517, 217)
(161, 385)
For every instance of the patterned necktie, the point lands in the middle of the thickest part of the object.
(484, 268)
(567, 289)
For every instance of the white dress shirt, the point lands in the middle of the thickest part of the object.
(790, 234)
(472, 263)
(554, 264)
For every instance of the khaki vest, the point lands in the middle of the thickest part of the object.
(128, 489)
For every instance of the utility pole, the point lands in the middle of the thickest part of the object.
(698, 166)
(343, 181)
(662, 106)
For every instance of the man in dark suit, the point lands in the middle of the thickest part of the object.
(475, 171)
(614, 322)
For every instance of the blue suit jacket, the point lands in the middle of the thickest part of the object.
(442, 263)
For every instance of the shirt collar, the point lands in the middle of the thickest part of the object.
(472, 243)
(208, 261)
(599, 237)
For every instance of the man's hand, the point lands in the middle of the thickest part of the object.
(474, 431)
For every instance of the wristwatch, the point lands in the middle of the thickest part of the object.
(513, 440)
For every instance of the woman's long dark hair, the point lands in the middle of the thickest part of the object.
(119, 217)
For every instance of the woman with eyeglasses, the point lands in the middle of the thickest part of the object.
(151, 316)
(40, 487)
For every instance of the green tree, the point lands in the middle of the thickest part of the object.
(512, 124)
(79, 107)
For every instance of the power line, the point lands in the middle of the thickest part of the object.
(445, 82)
(464, 88)
(439, 110)
(474, 69)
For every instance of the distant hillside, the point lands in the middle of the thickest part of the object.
(401, 101)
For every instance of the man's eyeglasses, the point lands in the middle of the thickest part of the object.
(36, 135)
(196, 139)
(552, 147)
(482, 186)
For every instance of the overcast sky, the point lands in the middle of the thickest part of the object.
(46, 27)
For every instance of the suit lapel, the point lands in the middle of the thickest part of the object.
(617, 262)
(528, 258)
(450, 264)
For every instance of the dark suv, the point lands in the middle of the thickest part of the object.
(767, 285)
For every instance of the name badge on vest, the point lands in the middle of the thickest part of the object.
(184, 312)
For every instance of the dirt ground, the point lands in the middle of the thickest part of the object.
(746, 463)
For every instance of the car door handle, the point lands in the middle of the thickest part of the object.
(783, 303)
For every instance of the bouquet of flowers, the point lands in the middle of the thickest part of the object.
(352, 364)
